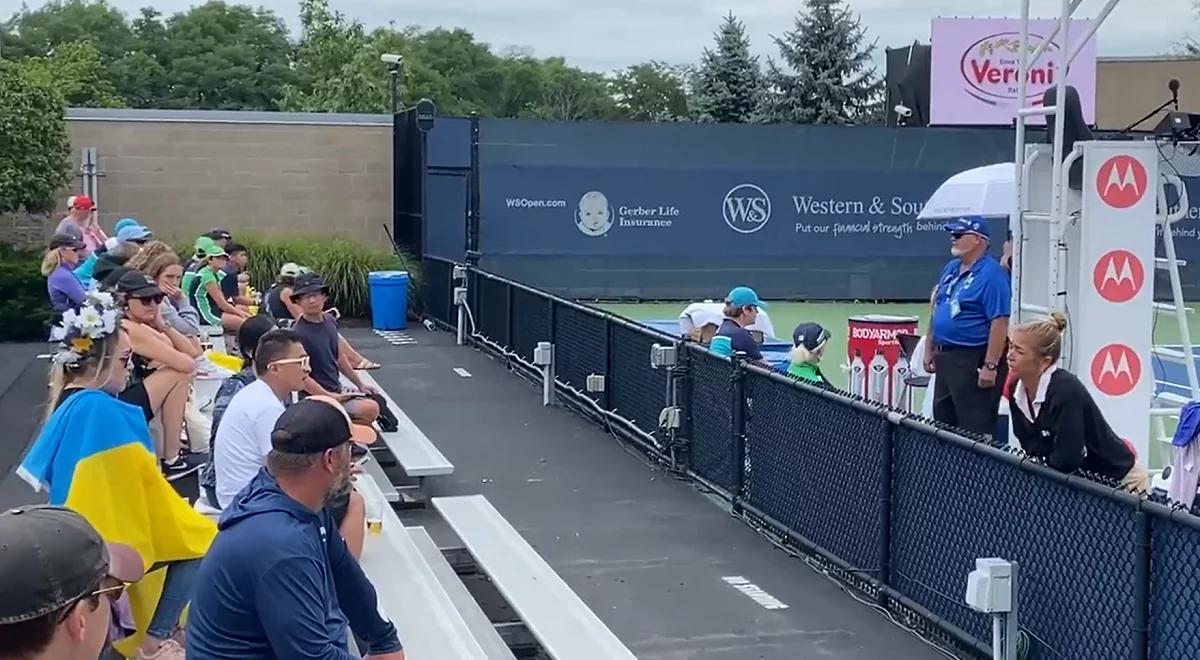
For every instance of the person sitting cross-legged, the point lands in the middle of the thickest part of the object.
(319, 331)
(276, 582)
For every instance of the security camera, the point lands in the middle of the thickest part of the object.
(902, 110)
(391, 58)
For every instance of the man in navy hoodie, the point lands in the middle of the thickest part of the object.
(278, 581)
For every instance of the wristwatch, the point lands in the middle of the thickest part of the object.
(991, 366)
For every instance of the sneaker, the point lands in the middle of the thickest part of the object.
(169, 650)
(184, 464)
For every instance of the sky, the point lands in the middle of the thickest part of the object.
(611, 34)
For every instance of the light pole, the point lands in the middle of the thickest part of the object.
(395, 66)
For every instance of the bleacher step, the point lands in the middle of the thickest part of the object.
(477, 621)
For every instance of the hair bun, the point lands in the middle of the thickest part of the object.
(1059, 320)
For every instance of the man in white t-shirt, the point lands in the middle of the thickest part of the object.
(697, 315)
(244, 435)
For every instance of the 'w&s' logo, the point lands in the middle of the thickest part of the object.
(746, 208)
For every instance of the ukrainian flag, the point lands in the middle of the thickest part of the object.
(95, 456)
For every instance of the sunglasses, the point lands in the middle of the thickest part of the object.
(151, 299)
(302, 361)
(109, 587)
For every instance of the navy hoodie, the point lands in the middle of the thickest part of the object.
(279, 582)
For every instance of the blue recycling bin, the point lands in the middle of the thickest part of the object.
(389, 299)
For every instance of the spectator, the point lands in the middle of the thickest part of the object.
(968, 331)
(118, 255)
(318, 330)
(700, 321)
(274, 584)
(204, 289)
(61, 584)
(741, 310)
(158, 261)
(85, 270)
(285, 311)
(134, 233)
(221, 237)
(63, 287)
(94, 453)
(80, 223)
(247, 339)
(239, 258)
(162, 368)
(1054, 416)
(808, 347)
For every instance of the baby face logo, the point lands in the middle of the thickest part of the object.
(595, 216)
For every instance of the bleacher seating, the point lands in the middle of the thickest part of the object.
(413, 451)
(562, 623)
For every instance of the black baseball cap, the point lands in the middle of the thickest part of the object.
(66, 240)
(136, 284)
(810, 335)
(317, 423)
(306, 284)
(51, 557)
(219, 234)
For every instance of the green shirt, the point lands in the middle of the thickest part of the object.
(807, 371)
(197, 286)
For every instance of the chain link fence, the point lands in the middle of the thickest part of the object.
(438, 290)
(1103, 575)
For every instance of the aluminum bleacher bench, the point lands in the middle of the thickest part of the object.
(410, 595)
(481, 627)
(415, 454)
(561, 622)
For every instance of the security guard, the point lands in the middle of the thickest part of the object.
(968, 332)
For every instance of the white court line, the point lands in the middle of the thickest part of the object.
(754, 592)
(462, 372)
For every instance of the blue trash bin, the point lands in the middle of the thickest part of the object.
(389, 299)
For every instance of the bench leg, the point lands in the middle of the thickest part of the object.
(412, 496)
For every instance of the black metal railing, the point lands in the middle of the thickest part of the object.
(898, 506)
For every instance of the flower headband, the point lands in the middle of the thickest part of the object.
(80, 329)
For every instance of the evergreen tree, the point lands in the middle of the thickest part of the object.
(827, 75)
(728, 84)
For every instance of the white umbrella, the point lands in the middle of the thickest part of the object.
(986, 191)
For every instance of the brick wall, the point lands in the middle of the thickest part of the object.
(26, 230)
(184, 173)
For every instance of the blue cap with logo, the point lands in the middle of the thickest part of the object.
(969, 225)
(743, 296)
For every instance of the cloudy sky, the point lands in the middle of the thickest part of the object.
(608, 34)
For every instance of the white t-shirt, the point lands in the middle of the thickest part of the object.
(697, 315)
(244, 438)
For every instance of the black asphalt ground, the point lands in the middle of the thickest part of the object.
(645, 551)
(22, 405)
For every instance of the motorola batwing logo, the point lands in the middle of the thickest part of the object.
(1116, 370)
(1118, 276)
(1121, 181)
(746, 208)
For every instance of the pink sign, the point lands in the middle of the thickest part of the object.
(973, 73)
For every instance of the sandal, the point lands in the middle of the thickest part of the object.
(367, 365)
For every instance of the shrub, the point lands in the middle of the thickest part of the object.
(343, 263)
(24, 305)
(33, 142)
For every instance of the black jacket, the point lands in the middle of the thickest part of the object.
(1070, 431)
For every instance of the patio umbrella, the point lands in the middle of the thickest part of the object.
(985, 191)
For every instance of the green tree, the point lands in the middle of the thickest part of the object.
(139, 75)
(456, 72)
(33, 141)
(728, 85)
(337, 66)
(827, 76)
(569, 94)
(226, 57)
(74, 69)
(652, 91)
(37, 33)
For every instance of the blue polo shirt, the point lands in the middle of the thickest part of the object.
(967, 303)
(732, 338)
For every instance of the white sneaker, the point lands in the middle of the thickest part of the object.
(169, 650)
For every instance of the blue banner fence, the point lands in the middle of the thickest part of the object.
(896, 506)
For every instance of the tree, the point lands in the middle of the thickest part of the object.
(33, 144)
(37, 33)
(728, 84)
(827, 76)
(74, 69)
(226, 57)
(337, 69)
(652, 91)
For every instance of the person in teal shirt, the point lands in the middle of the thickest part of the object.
(808, 347)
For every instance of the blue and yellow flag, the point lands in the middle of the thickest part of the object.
(95, 456)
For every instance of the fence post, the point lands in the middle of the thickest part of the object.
(681, 443)
(473, 250)
(605, 399)
(885, 509)
(508, 316)
(739, 433)
(1141, 586)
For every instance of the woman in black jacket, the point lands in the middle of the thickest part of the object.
(1054, 416)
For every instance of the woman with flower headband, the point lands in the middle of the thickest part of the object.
(162, 368)
(94, 454)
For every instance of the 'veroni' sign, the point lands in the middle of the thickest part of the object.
(665, 212)
(974, 62)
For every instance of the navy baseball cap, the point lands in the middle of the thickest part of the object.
(969, 225)
(810, 335)
(743, 296)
